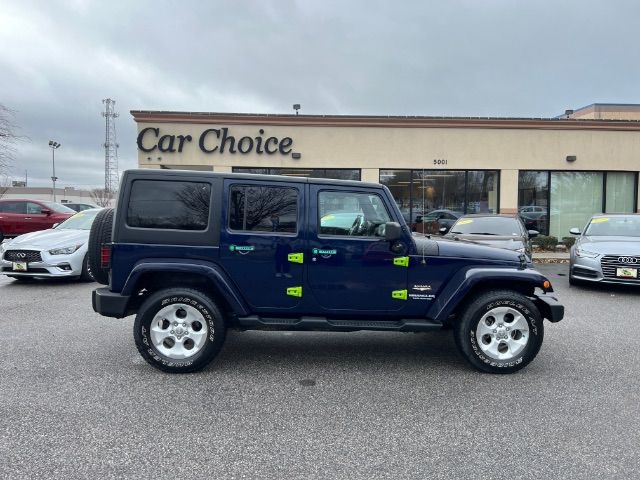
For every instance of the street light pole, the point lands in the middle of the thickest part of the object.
(54, 146)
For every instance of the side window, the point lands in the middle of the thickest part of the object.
(33, 208)
(169, 205)
(258, 208)
(351, 213)
(14, 207)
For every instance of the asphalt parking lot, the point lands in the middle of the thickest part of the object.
(77, 401)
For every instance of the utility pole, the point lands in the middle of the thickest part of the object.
(111, 176)
(54, 146)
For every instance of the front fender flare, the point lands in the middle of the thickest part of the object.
(466, 279)
(220, 279)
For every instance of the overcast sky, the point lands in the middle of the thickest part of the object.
(59, 59)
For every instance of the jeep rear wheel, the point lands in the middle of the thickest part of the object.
(100, 234)
(500, 332)
(179, 330)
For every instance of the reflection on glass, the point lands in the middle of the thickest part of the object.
(352, 214)
(263, 209)
(533, 200)
(621, 188)
(575, 197)
(169, 205)
(482, 192)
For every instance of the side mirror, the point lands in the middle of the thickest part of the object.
(46, 211)
(392, 231)
(574, 231)
(533, 233)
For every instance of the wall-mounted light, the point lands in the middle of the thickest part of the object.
(296, 156)
(571, 158)
(296, 107)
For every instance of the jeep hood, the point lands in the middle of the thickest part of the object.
(465, 249)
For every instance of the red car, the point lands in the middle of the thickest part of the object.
(19, 216)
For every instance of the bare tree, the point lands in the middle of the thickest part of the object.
(8, 138)
(5, 183)
(101, 197)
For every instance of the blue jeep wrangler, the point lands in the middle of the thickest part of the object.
(193, 254)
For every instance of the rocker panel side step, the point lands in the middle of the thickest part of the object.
(255, 322)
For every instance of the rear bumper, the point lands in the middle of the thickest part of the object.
(108, 303)
(550, 307)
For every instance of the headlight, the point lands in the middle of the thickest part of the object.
(64, 250)
(585, 253)
(2, 248)
(521, 250)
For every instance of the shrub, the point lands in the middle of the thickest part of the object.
(569, 241)
(545, 242)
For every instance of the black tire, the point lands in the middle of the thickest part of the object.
(99, 235)
(468, 343)
(203, 305)
(86, 275)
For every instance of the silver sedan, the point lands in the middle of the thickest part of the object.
(57, 252)
(607, 251)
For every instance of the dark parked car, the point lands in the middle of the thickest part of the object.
(193, 254)
(434, 221)
(19, 216)
(501, 231)
(79, 207)
(608, 251)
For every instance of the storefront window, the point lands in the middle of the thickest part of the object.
(621, 188)
(441, 193)
(335, 173)
(575, 196)
(533, 200)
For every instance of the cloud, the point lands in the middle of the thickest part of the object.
(460, 57)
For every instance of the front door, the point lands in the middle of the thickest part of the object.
(261, 244)
(352, 268)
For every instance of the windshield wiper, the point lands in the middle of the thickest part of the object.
(481, 233)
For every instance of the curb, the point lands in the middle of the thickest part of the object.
(551, 260)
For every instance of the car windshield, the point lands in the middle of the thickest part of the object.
(57, 207)
(80, 221)
(503, 226)
(614, 227)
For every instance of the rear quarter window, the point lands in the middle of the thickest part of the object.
(171, 205)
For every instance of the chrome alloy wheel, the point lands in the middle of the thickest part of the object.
(502, 333)
(179, 331)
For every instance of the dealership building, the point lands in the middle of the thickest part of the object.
(555, 172)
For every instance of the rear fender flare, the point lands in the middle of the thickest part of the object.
(466, 279)
(220, 279)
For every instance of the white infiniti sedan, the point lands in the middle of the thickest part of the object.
(54, 253)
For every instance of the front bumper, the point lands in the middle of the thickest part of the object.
(51, 266)
(590, 270)
(549, 306)
(109, 304)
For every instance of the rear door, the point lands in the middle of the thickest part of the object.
(352, 268)
(261, 242)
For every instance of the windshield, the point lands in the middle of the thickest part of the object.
(614, 227)
(57, 207)
(503, 226)
(80, 221)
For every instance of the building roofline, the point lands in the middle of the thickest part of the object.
(389, 121)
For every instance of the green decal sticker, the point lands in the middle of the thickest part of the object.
(242, 249)
(294, 291)
(399, 294)
(401, 261)
(320, 251)
(296, 257)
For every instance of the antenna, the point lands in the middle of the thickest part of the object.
(424, 243)
(110, 145)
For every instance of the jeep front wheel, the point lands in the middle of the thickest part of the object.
(179, 330)
(499, 332)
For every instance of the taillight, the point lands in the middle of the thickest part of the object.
(105, 256)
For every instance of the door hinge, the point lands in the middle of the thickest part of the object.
(297, 291)
(401, 261)
(296, 257)
(399, 294)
